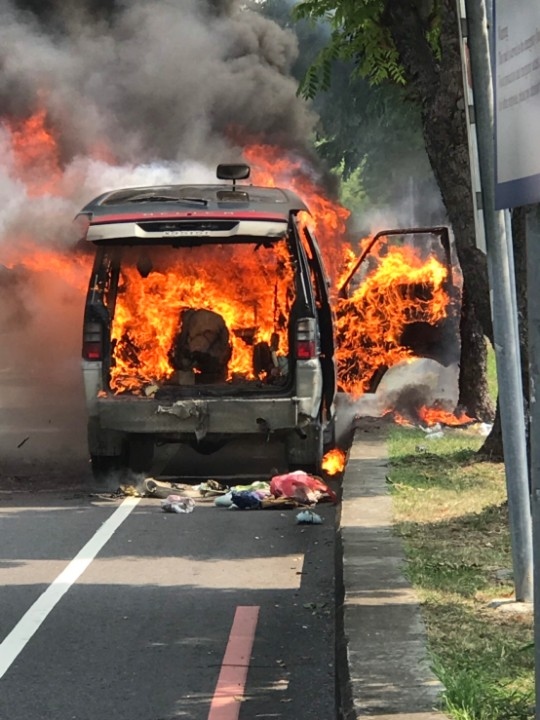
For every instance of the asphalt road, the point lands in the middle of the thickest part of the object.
(164, 618)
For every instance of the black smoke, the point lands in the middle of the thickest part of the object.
(153, 80)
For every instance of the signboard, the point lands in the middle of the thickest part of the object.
(516, 63)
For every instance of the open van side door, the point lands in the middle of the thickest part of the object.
(439, 341)
(325, 316)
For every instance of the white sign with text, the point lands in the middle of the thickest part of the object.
(517, 101)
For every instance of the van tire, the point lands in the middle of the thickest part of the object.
(140, 453)
(300, 458)
(104, 467)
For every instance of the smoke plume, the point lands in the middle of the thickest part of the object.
(153, 80)
(133, 92)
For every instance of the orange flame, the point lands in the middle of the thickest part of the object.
(271, 168)
(36, 154)
(369, 322)
(72, 266)
(398, 418)
(432, 416)
(253, 296)
(400, 289)
(334, 461)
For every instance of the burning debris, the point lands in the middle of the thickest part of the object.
(430, 418)
(217, 314)
(202, 345)
(334, 461)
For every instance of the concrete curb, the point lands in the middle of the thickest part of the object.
(389, 677)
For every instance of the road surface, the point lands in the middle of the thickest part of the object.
(112, 609)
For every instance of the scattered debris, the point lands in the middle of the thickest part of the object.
(315, 607)
(155, 488)
(280, 503)
(296, 489)
(483, 429)
(178, 504)
(431, 429)
(511, 606)
(212, 487)
(246, 500)
(300, 486)
(130, 491)
(308, 517)
(224, 500)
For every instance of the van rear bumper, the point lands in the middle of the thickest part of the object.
(201, 417)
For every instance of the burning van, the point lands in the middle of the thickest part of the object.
(207, 319)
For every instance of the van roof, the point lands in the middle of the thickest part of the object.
(216, 199)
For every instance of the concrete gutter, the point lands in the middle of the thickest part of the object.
(385, 668)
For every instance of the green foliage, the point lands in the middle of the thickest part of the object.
(318, 75)
(370, 134)
(359, 34)
(352, 191)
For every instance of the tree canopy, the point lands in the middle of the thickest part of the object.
(369, 134)
(414, 46)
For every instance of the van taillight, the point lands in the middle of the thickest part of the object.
(306, 341)
(92, 342)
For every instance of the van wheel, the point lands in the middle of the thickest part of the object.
(329, 436)
(104, 466)
(140, 453)
(307, 454)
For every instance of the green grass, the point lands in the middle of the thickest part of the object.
(450, 509)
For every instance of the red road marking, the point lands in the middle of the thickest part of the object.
(231, 682)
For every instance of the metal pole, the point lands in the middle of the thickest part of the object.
(533, 313)
(504, 311)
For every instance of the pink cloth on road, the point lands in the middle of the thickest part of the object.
(301, 486)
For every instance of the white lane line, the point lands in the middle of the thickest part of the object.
(32, 619)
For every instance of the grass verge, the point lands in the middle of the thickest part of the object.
(450, 509)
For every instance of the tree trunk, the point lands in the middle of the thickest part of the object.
(438, 84)
(493, 445)
(473, 386)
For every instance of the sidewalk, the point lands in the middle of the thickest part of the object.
(386, 673)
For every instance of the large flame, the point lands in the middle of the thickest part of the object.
(251, 292)
(36, 156)
(399, 290)
(399, 285)
(271, 167)
(34, 161)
